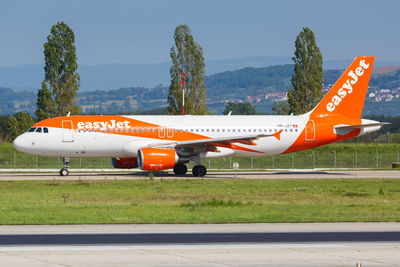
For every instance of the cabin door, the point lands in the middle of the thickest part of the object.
(68, 132)
(310, 131)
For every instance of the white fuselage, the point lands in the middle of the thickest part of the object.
(90, 142)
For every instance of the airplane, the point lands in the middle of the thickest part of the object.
(156, 143)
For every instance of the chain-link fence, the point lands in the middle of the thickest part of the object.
(299, 160)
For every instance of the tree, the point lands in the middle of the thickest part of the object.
(3, 127)
(281, 108)
(44, 103)
(245, 108)
(308, 78)
(18, 124)
(187, 57)
(57, 96)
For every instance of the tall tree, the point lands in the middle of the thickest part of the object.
(308, 78)
(61, 78)
(18, 124)
(187, 57)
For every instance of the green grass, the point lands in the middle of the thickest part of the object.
(346, 157)
(199, 201)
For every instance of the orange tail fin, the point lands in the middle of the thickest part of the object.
(347, 96)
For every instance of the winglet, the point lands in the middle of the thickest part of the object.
(277, 135)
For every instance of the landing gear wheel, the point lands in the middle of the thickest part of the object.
(199, 171)
(180, 169)
(64, 172)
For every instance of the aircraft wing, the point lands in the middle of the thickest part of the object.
(244, 139)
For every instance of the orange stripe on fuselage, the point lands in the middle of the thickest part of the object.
(324, 132)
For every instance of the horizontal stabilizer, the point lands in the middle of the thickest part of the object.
(360, 126)
(365, 127)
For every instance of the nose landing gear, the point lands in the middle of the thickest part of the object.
(64, 171)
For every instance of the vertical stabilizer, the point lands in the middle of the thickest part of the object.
(347, 96)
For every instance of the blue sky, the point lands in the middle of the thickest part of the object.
(142, 31)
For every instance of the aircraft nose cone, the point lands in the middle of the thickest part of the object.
(19, 143)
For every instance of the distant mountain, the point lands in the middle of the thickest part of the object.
(111, 76)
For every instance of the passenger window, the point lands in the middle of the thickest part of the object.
(111, 130)
(31, 130)
(116, 130)
(39, 130)
(153, 130)
(105, 130)
(143, 130)
(127, 130)
(132, 130)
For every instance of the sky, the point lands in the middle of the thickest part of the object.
(142, 31)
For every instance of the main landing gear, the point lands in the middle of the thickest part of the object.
(199, 171)
(64, 171)
(180, 169)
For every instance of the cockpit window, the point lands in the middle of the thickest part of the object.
(31, 130)
(39, 130)
(45, 130)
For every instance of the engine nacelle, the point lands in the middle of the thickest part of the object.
(157, 159)
(124, 163)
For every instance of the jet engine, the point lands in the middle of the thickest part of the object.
(124, 163)
(157, 159)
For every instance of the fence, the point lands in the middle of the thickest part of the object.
(299, 160)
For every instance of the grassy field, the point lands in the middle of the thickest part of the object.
(199, 201)
(348, 155)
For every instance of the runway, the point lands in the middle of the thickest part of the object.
(279, 174)
(196, 238)
(319, 244)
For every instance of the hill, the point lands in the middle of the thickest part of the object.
(261, 86)
(117, 75)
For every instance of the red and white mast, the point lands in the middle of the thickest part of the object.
(183, 92)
